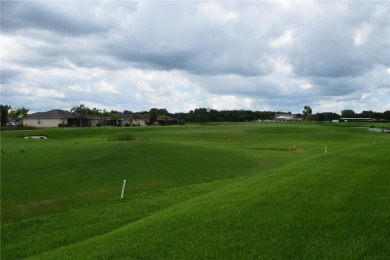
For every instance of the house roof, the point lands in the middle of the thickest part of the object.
(145, 116)
(52, 114)
(133, 116)
(165, 117)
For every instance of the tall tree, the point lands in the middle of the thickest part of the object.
(348, 113)
(386, 115)
(153, 118)
(367, 114)
(4, 113)
(19, 112)
(213, 115)
(306, 112)
(80, 111)
(105, 114)
(95, 111)
(201, 115)
(23, 111)
(114, 118)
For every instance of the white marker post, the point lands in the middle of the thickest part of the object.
(123, 188)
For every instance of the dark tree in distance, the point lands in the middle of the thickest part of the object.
(348, 113)
(306, 112)
(4, 113)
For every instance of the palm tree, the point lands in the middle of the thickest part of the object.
(80, 111)
(115, 118)
(18, 114)
(306, 112)
(23, 111)
(96, 111)
(105, 115)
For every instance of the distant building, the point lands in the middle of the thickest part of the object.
(132, 119)
(287, 118)
(58, 117)
(346, 119)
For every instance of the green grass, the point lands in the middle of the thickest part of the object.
(197, 191)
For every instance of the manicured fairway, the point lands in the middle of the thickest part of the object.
(248, 190)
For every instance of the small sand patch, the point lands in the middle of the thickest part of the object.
(35, 137)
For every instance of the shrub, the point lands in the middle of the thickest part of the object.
(125, 137)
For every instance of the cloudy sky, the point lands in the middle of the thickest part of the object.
(136, 55)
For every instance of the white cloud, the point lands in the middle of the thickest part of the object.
(183, 55)
(362, 35)
(306, 85)
(104, 86)
(24, 90)
(49, 93)
(283, 40)
(215, 13)
(78, 88)
(227, 102)
(384, 91)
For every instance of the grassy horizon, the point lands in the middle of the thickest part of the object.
(205, 191)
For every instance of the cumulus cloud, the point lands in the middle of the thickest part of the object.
(182, 55)
(58, 17)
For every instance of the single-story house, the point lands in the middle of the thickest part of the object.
(287, 117)
(122, 119)
(58, 117)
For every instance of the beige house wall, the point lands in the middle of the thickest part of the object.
(44, 122)
(56, 122)
(132, 121)
(95, 122)
(140, 122)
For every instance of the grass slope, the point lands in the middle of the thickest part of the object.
(221, 191)
(326, 207)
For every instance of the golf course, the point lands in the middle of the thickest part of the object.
(251, 190)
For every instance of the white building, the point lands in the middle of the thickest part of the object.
(287, 117)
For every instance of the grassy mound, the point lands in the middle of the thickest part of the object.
(322, 208)
(232, 191)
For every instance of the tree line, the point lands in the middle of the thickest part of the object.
(204, 115)
(7, 112)
(212, 115)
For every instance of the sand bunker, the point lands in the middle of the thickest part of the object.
(36, 137)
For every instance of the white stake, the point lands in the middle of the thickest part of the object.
(123, 188)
